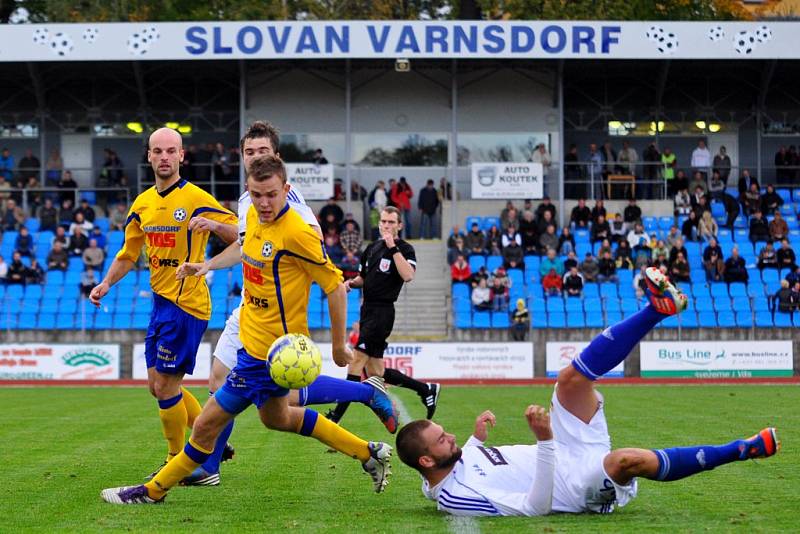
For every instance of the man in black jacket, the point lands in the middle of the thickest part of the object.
(428, 204)
(759, 229)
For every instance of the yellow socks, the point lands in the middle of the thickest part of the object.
(176, 470)
(173, 423)
(192, 407)
(333, 436)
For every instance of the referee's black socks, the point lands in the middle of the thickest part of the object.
(396, 378)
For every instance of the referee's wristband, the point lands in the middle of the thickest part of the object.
(394, 250)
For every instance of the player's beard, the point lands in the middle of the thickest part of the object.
(450, 461)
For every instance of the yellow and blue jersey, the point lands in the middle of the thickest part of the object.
(280, 259)
(160, 222)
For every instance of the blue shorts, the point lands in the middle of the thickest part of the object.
(173, 337)
(248, 383)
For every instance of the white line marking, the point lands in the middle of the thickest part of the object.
(455, 524)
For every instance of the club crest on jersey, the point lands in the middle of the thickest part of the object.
(179, 214)
(266, 249)
(384, 265)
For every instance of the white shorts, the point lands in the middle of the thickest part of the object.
(581, 482)
(228, 344)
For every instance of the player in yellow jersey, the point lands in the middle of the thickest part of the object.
(164, 219)
(282, 256)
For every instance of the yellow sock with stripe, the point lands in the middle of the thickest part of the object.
(193, 407)
(333, 436)
(179, 468)
(173, 416)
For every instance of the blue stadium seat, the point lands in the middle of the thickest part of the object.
(26, 321)
(500, 320)
(65, 321)
(141, 321)
(556, 320)
(581, 236)
(755, 288)
(613, 318)
(719, 289)
(103, 224)
(476, 262)
(581, 249)
(796, 194)
(15, 291)
(591, 290)
(33, 291)
(741, 304)
(722, 304)
(555, 304)
(517, 292)
(463, 319)
(650, 223)
(575, 319)
(688, 319)
(314, 320)
(669, 322)
(737, 289)
(122, 321)
(707, 319)
(55, 277)
(469, 222)
(787, 209)
(481, 319)
(460, 290)
(630, 305)
(612, 305)
(46, 321)
(724, 234)
(764, 319)
(594, 320)
(516, 277)
(488, 222)
(783, 320)
(700, 289)
(537, 305)
(704, 304)
(744, 319)
(625, 277)
(493, 262)
(535, 290)
(785, 194)
(769, 276)
(726, 319)
(770, 288)
(608, 290)
(665, 222)
(593, 306)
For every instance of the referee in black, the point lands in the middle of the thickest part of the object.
(386, 265)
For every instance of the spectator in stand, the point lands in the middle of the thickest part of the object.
(357, 191)
(566, 243)
(660, 248)
(546, 207)
(332, 245)
(572, 173)
(759, 230)
(5, 189)
(58, 258)
(571, 261)
(494, 241)
(768, 257)
(331, 209)
(506, 217)
(552, 284)
(319, 158)
(783, 298)
(458, 250)
(589, 268)
(673, 237)
(477, 276)
(48, 216)
(771, 201)
(544, 221)
(707, 227)
(746, 182)
(548, 240)
(88, 280)
(350, 265)
(681, 181)
(624, 255)
(796, 296)
(735, 270)
(78, 242)
(660, 260)
(573, 283)
(594, 172)
(34, 274)
(639, 282)
(652, 159)
(350, 239)
(783, 160)
(97, 235)
(86, 210)
(581, 215)
(13, 217)
(752, 200)
(7, 165)
(454, 234)
(24, 242)
(713, 263)
(377, 197)
(509, 236)
(794, 276)
(600, 229)
(528, 232)
(481, 296)
(689, 228)
(68, 185)
(722, 165)
(499, 295)
(701, 159)
(29, 166)
(778, 228)
(460, 271)
(786, 256)
(541, 155)
(618, 229)
(628, 158)
(698, 194)
(445, 189)
(605, 246)
(428, 204)
(93, 256)
(607, 269)
(637, 237)
(731, 209)
(79, 221)
(670, 162)
(475, 241)
(54, 167)
(520, 321)
(61, 237)
(598, 210)
(118, 217)
(16, 271)
(632, 213)
(679, 269)
(716, 187)
(702, 207)
(609, 156)
(513, 256)
(401, 196)
(551, 261)
(3, 270)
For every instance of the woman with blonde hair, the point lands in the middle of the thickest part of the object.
(707, 227)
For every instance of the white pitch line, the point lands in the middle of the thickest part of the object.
(455, 524)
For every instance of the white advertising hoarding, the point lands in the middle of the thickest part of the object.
(561, 353)
(37, 361)
(716, 359)
(202, 366)
(314, 181)
(454, 361)
(507, 180)
(518, 39)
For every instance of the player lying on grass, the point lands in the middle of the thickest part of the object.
(281, 257)
(572, 467)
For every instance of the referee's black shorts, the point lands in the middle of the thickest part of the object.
(376, 323)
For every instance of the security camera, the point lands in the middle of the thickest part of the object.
(402, 65)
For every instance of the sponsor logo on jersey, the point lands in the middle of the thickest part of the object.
(266, 249)
(156, 262)
(161, 239)
(258, 302)
(493, 455)
(384, 265)
(179, 214)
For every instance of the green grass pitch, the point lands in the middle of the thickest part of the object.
(61, 446)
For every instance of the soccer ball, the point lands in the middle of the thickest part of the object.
(40, 36)
(294, 361)
(667, 43)
(716, 33)
(654, 33)
(61, 44)
(90, 35)
(744, 42)
(763, 34)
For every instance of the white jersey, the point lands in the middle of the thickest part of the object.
(562, 475)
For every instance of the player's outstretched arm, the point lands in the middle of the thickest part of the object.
(539, 500)
(119, 268)
(227, 258)
(354, 283)
(227, 232)
(482, 424)
(337, 306)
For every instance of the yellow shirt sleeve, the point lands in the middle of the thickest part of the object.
(134, 237)
(305, 244)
